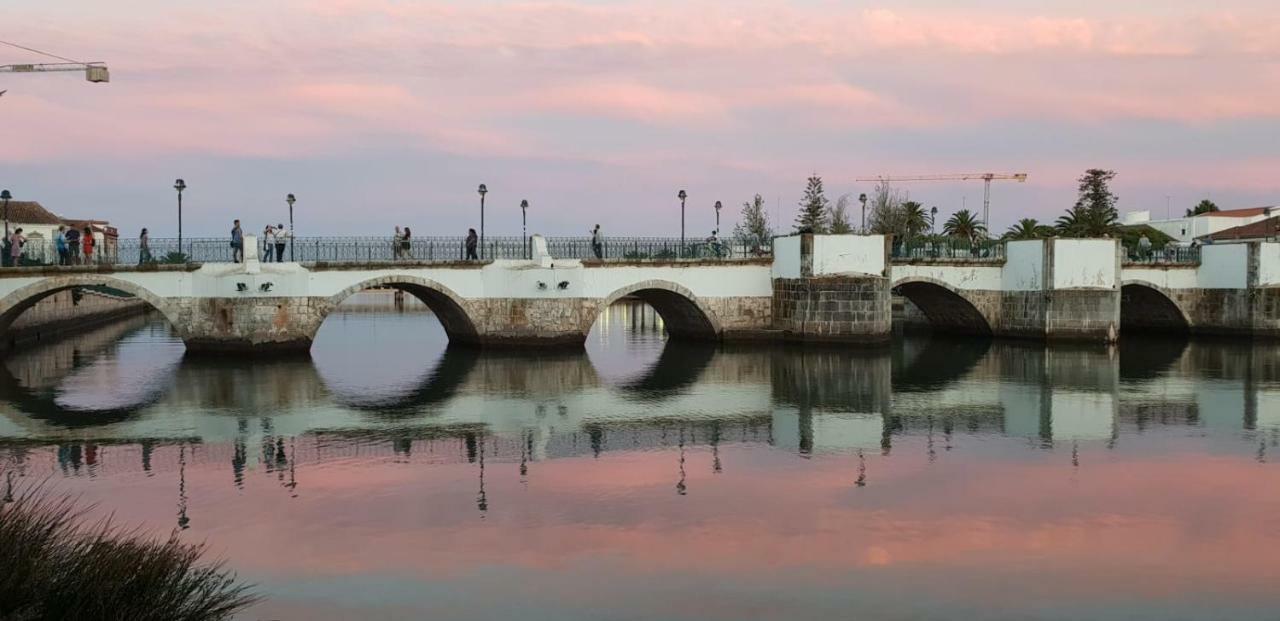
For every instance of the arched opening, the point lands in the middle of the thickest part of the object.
(683, 316)
(56, 306)
(86, 350)
(1144, 308)
(448, 309)
(945, 310)
(651, 340)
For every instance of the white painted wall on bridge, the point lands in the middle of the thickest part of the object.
(848, 254)
(962, 277)
(1085, 263)
(1023, 266)
(1224, 266)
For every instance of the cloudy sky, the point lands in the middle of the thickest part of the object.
(385, 112)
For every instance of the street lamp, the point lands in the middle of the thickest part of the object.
(933, 220)
(292, 233)
(524, 224)
(179, 185)
(718, 217)
(862, 198)
(482, 190)
(6, 196)
(682, 196)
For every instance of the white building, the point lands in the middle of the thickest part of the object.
(1188, 228)
(40, 226)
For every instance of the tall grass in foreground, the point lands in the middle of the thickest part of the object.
(55, 565)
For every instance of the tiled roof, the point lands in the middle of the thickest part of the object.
(31, 212)
(1257, 230)
(1237, 213)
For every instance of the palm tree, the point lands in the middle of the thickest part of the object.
(1083, 222)
(1028, 228)
(964, 225)
(915, 218)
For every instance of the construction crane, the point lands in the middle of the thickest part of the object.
(987, 178)
(93, 72)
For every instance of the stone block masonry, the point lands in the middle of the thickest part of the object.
(833, 308)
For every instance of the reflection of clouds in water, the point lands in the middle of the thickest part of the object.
(625, 342)
(138, 369)
(368, 351)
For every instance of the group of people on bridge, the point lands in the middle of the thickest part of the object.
(74, 247)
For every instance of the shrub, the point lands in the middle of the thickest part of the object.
(58, 567)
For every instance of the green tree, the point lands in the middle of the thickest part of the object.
(964, 224)
(915, 219)
(838, 217)
(1094, 214)
(1028, 228)
(813, 208)
(1204, 206)
(753, 229)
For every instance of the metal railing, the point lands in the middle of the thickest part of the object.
(386, 249)
(654, 248)
(941, 249)
(1171, 255)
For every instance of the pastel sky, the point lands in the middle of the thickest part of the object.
(385, 112)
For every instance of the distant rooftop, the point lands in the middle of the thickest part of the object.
(1262, 229)
(1238, 213)
(31, 212)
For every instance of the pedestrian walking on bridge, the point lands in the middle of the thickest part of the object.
(144, 247)
(237, 243)
(472, 240)
(282, 238)
(597, 242)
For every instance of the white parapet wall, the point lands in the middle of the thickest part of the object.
(786, 257)
(1023, 266)
(1268, 264)
(1223, 266)
(1085, 263)
(848, 255)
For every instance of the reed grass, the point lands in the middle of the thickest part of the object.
(57, 564)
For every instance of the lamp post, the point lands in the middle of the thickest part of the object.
(862, 198)
(6, 197)
(292, 233)
(482, 190)
(179, 185)
(718, 205)
(933, 220)
(524, 225)
(682, 196)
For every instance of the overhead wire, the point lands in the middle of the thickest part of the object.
(31, 49)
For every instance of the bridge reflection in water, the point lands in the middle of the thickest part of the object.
(457, 403)
(397, 473)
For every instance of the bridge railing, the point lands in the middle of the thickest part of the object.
(383, 249)
(1172, 255)
(941, 249)
(654, 248)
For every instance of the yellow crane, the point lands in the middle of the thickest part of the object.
(987, 178)
(93, 72)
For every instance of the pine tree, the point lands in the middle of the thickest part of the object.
(813, 208)
(753, 230)
(1094, 214)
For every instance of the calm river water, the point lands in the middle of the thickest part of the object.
(390, 477)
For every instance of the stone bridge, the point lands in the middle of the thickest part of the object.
(816, 288)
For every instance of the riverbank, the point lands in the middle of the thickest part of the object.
(71, 312)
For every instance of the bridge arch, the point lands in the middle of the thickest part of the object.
(14, 304)
(1147, 307)
(450, 309)
(947, 308)
(684, 314)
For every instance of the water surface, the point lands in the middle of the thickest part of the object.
(392, 477)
